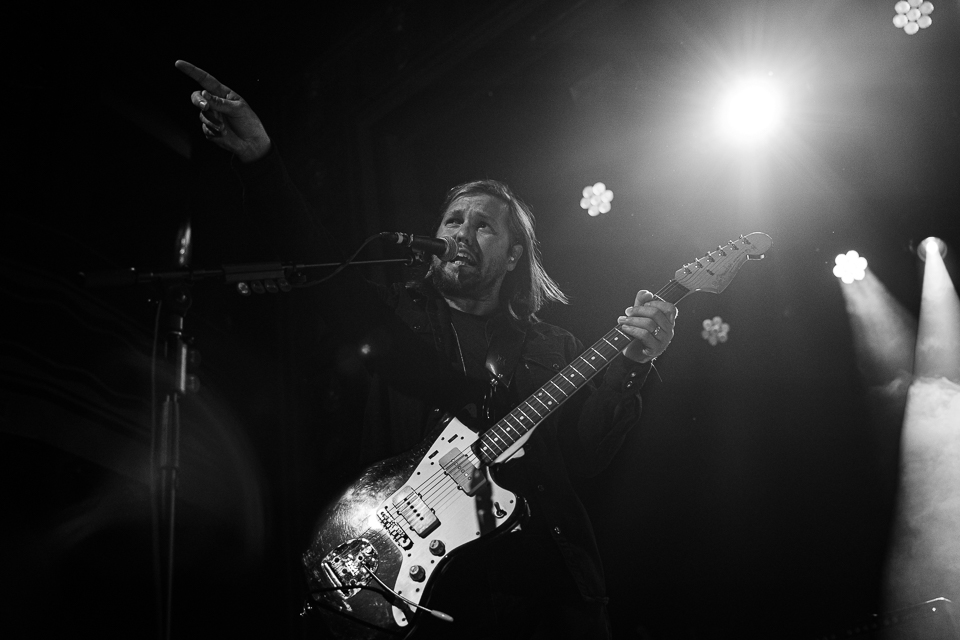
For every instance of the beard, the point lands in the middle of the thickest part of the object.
(453, 280)
(464, 281)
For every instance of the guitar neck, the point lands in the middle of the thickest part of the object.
(548, 398)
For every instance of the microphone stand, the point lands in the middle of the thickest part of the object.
(165, 443)
(178, 358)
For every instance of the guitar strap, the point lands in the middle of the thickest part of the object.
(503, 354)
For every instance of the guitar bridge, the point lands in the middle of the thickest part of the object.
(467, 475)
(395, 530)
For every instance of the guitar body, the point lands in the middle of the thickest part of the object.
(402, 520)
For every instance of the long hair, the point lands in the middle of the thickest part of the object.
(528, 287)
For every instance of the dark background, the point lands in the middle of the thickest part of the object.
(758, 494)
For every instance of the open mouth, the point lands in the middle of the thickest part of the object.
(464, 259)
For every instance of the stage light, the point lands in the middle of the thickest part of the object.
(932, 243)
(850, 266)
(912, 15)
(925, 556)
(751, 111)
(715, 330)
(596, 199)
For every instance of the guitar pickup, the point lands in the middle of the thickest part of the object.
(415, 511)
(468, 476)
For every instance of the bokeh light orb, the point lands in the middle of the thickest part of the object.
(850, 266)
(715, 330)
(596, 199)
(912, 15)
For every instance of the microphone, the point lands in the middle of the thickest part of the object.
(444, 248)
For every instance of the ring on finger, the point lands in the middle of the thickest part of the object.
(656, 332)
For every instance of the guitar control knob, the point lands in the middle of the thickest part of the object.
(437, 548)
(417, 574)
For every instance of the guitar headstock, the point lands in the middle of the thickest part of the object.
(714, 271)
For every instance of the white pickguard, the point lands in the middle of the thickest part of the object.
(456, 511)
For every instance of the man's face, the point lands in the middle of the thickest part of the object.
(486, 254)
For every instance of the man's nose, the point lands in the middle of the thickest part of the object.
(465, 234)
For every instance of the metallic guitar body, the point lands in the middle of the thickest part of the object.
(402, 520)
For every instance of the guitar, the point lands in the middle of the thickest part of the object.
(377, 549)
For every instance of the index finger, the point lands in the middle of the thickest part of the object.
(652, 306)
(203, 78)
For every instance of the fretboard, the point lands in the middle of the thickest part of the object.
(548, 398)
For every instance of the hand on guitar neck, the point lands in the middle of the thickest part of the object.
(650, 322)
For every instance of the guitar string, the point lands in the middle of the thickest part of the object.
(437, 502)
(449, 489)
(440, 502)
(470, 456)
(441, 481)
(436, 478)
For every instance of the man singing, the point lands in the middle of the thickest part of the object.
(467, 333)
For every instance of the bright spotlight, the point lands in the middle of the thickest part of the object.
(932, 243)
(751, 111)
(850, 266)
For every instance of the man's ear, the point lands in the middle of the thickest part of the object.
(515, 252)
